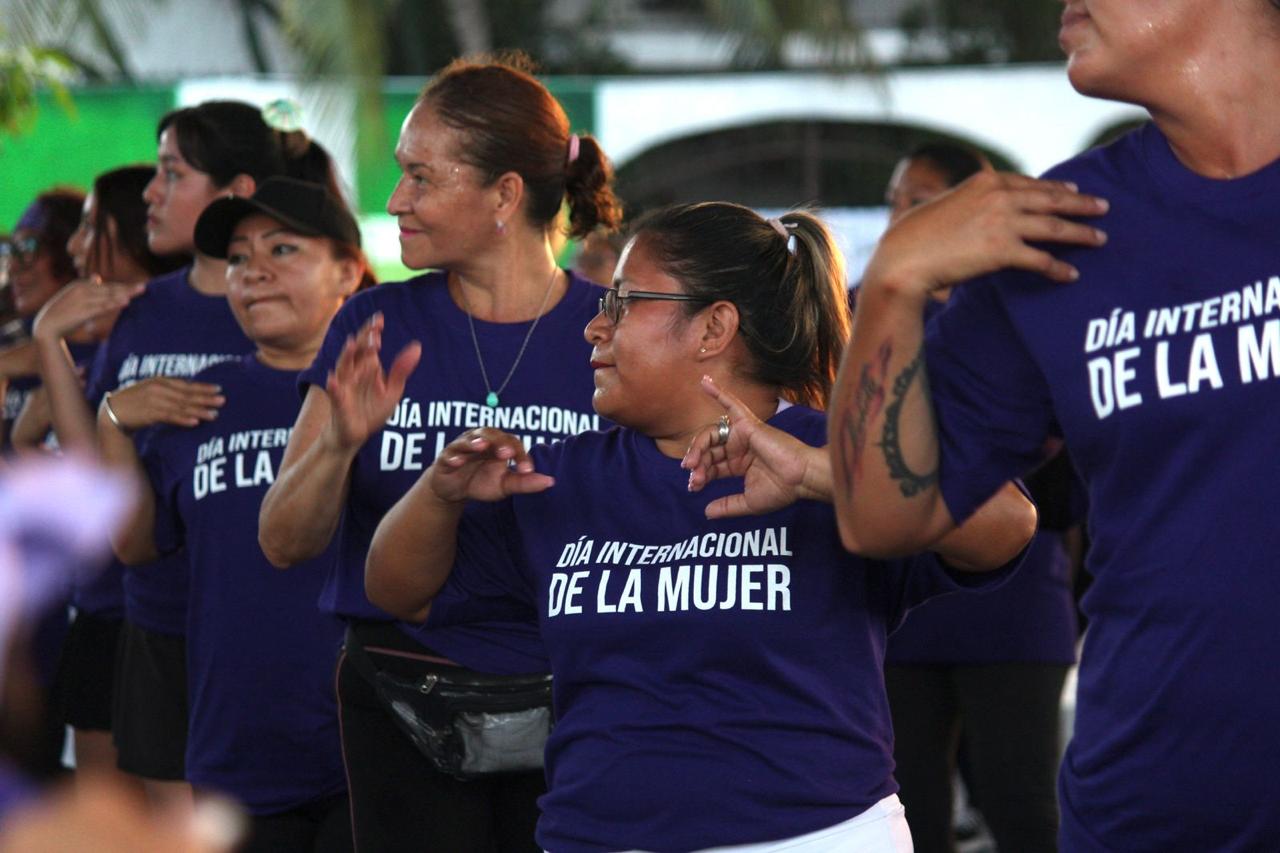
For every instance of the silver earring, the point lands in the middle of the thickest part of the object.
(502, 226)
(702, 349)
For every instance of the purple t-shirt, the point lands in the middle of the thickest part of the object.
(1030, 619)
(548, 397)
(716, 682)
(170, 330)
(15, 791)
(263, 720)
(1159, 367)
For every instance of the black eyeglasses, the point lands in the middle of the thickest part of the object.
(611, 302)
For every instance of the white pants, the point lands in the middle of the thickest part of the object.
(880, 829)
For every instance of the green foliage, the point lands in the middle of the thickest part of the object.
(972, 32)
(24, 71)
(761, 29)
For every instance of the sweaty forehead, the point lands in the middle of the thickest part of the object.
(428, 143)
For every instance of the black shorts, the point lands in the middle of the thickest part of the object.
(149, 710)
(86, 673)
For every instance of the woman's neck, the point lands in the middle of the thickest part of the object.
(285, 357)
(516, 282)
(208, 275)
(1222, 117)
(702, 412)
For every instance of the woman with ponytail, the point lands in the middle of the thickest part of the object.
(493, 337)
(173, 327)
(717, 663)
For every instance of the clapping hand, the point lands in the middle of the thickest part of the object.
(361, 395)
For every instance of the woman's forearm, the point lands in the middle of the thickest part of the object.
(300, 512)
(73, 422)
(32, 424)
(135, 541)
(993, 535)
(412, 552)
(883, 440)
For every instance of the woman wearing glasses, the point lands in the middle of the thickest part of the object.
(717, 679)
(39, 266)
(486, 162)
(110, 245)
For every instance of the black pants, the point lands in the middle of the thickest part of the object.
(1007, 716)
(323, 826)
(400, 802)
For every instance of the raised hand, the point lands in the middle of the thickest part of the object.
(79, 304)
(484, 465)
(985, 224)
(361, 395)
(777, 469)
(165, 400)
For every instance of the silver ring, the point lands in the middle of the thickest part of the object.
(722, 431)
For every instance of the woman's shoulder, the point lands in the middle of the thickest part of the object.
(580, 303)
(808, 425)
(580, 449)
(393, 295)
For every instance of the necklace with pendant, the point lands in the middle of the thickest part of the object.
(491, 399)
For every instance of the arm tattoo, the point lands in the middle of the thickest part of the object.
(868, 399)
(910, 482)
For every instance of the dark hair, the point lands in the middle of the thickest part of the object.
(511, 123)
(57, 219)
(118, 194)
(344, 250)
(228, 138)
(955, 162)
(793, 309)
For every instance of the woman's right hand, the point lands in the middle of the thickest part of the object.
(361, 395)
(987, 223)
(776, 468)
(484, 465)
(165, 400)
(80, 302)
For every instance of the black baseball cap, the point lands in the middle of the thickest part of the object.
(304, 207)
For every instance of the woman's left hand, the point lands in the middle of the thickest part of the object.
(484, 464)
(777, 469)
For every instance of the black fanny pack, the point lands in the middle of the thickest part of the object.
(467, 724)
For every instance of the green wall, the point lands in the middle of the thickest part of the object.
(110, 127)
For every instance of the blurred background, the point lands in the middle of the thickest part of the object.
(771, 103)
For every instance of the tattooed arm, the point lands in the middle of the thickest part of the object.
(883, 436)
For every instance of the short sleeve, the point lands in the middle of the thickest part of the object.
(989, 397)
(170, 532)
(489, 580)
(345, 323)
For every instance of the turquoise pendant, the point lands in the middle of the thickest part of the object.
(492, 400)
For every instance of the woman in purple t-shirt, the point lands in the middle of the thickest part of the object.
(1125, 305)
(263, 724)
(717, 678)
(487, 161)
(171, 328)
(109, 246)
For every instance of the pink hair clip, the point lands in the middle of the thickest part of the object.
(782, 229)
(574, 144)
